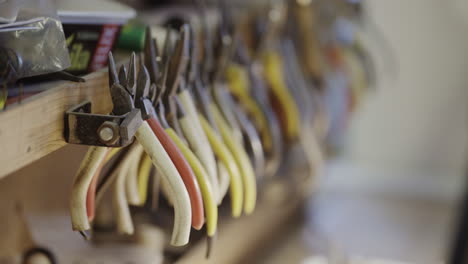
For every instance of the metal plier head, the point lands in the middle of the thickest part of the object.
(167, 69)
(129, 91)
(115, 129)
(177, 60)
(156, 68)
(122, 86)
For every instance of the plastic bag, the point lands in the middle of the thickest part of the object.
(35, 43)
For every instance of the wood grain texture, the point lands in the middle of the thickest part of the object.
(34, 128)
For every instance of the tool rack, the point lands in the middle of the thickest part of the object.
(35, 129)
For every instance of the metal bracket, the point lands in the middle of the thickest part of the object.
(82, 127)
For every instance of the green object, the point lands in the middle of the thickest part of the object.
(132, 36)
(3, 98)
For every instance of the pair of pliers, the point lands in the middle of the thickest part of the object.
(227, 40)
(201, 109)
(233, 117)
(99, 156)
(194, 99)
(137, 178)
(230, 134)
(82, 202)
(176, 159)
(159, 77)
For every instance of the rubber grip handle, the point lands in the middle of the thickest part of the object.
(223, 153)
(184, 170)
(209, 199)
(83, 178)
(169, 173)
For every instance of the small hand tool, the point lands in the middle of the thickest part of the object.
(204, 102)
(177, 157)
(162, 126)
(182, 187)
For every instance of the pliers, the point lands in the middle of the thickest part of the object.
(194, 99)
(198, 81)
(170, 159)
(226, 119)
(176, 98)
(159, 78)
(80, 214)
(95, 172)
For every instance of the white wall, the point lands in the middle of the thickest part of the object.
(411, 134)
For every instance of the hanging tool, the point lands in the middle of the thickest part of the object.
(176, 85)
(203, 179)
(227, 159)
(208, 122)
(227, 38)
(124, 104)
(209, 197)
(176, 155)
(81, 128)
(130, 86)
(194, 85)
(226, 120)
(162, 161)
(231, 113)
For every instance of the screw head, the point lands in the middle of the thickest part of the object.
(108, 133)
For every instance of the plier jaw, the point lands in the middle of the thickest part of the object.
(142, 96)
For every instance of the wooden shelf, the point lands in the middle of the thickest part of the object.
(34, 128)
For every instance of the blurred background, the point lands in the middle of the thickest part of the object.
(394, 191)
(391, 187)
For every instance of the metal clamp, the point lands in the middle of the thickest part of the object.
(82, 127)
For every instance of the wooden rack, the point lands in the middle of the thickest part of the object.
(34, 128)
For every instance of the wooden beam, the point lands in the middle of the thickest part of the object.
(34, 128)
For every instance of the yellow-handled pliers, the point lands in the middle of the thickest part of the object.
(210, 128)
(226, 120)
